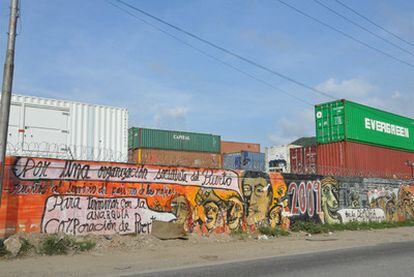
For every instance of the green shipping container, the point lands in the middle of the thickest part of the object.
(172, 140)
(344, 120)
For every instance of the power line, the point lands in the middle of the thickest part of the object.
(211, 56)
(362, 27)
(345, 34)
(256, 64)
(373, 23)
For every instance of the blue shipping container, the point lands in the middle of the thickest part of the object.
(244, 161)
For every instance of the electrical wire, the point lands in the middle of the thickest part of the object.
(362, 27)
(211, 56)
(373, 23)
(345, 34)
(229, 52)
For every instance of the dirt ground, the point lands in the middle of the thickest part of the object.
(123, 255)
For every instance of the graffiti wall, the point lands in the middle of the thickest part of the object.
(81, 197)
(78, 197)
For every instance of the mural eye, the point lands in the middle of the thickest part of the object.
(259, 189)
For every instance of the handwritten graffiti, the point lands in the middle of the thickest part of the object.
(40, 169)
(80, 215)
(361, 215)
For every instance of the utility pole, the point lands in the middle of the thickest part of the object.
(7, 87)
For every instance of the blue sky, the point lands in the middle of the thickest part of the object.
(90, 51)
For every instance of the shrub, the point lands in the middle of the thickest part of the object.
(85, 245)
(273, 232)
(26, 246)
(56, 245)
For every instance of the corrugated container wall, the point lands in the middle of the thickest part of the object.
(174, 158)
(65, 129)
(278, 158)
(343, 120)
(303, 160)
(244, 161)
(233, 147)
(172, 140)
(356, 159)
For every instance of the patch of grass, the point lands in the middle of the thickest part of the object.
(56, 245)
(307, 226)
(239, 234)
(273, 232)
(85, 245)
(26, 246)
(3, 251)
(317, 228)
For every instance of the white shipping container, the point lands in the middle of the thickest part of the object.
(277, 158)
(43, 127)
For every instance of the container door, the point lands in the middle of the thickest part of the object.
(330, 122)
(46, 130)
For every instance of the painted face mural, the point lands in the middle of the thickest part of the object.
(388, 203)
(329, 199)
(257, 193)
(213, 215)
(181, 209)
(235, 213)
(275, 216)
(406, 203)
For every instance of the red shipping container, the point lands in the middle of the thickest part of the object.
(356, 159)
(303, 160)
(174, 158)
(236, 147)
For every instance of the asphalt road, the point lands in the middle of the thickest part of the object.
(391, 259)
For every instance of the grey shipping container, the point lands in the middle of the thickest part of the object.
(172, 140)
(244, 161)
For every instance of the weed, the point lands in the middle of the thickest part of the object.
(56, 245)
(84, 245)
(317, 228)
(273, 232)
(26, 246)
(239, 234)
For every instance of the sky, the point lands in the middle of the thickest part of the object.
(90, 51)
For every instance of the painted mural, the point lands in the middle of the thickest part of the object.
(82, 197)
(78, 198)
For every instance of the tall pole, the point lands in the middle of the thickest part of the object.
(7, 87)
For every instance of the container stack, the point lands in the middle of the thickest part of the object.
(173, 148)
(303, 160)
(244, 160)
(357, 140)
(233, 147)
(242, 156)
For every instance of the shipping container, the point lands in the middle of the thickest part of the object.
(356, 159)
(172, 140)
(343, 120)
(233, 147)
(244, 161)
(174, 158)
(303, 160)
(44, 127)
(278, 158)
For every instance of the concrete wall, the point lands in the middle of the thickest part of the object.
(80, 197)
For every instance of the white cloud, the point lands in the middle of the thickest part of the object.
(293, 127)
(352, 88)
(396, 95)
(171, 118)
